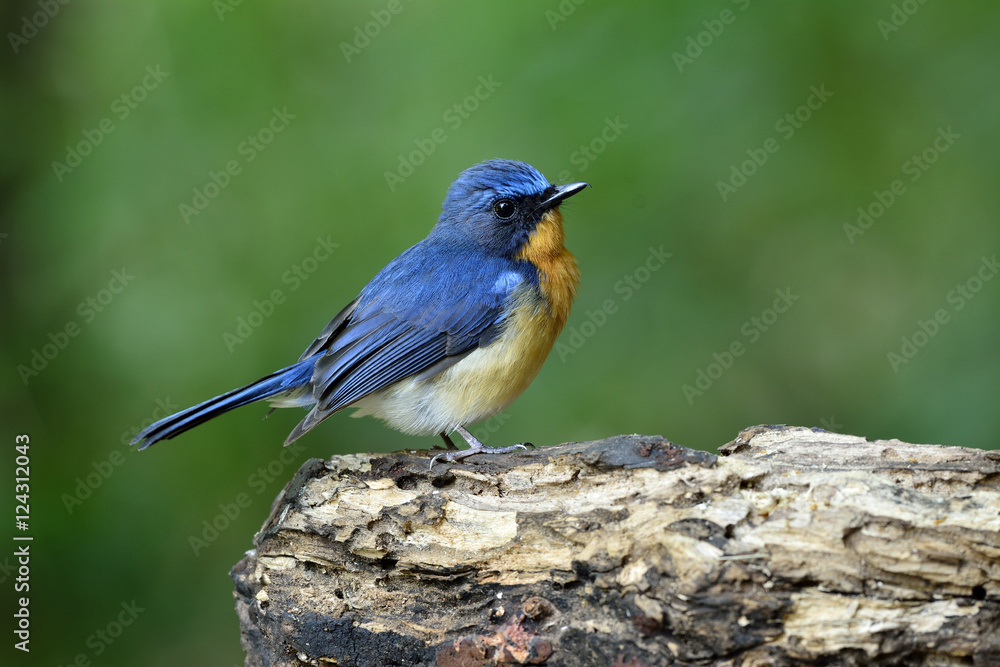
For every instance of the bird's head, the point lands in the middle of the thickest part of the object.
(504, 206)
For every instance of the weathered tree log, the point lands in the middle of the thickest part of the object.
(794, 546)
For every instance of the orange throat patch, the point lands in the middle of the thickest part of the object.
(557, 271)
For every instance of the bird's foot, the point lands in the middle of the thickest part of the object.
(475, 447)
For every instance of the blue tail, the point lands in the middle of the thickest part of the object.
(285, 381)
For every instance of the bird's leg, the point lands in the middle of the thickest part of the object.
(475, 447)
(448, 444)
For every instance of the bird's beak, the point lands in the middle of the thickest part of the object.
(563, 192)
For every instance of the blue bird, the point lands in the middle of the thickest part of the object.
(447, 334)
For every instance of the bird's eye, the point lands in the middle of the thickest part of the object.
(504, 208)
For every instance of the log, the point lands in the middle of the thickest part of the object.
(792, 546)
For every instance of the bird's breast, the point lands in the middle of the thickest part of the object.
(558, 275)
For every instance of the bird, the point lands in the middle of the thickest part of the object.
(449, 333)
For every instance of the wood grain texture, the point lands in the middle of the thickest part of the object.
(792, 546)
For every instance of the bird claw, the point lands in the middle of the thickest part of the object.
(435, 458)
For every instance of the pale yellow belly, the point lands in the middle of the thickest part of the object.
(476, 388)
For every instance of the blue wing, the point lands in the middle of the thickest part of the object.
(419, 315)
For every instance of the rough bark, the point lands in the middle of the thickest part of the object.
(793, 546)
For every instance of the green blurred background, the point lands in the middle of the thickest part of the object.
(653, 103)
